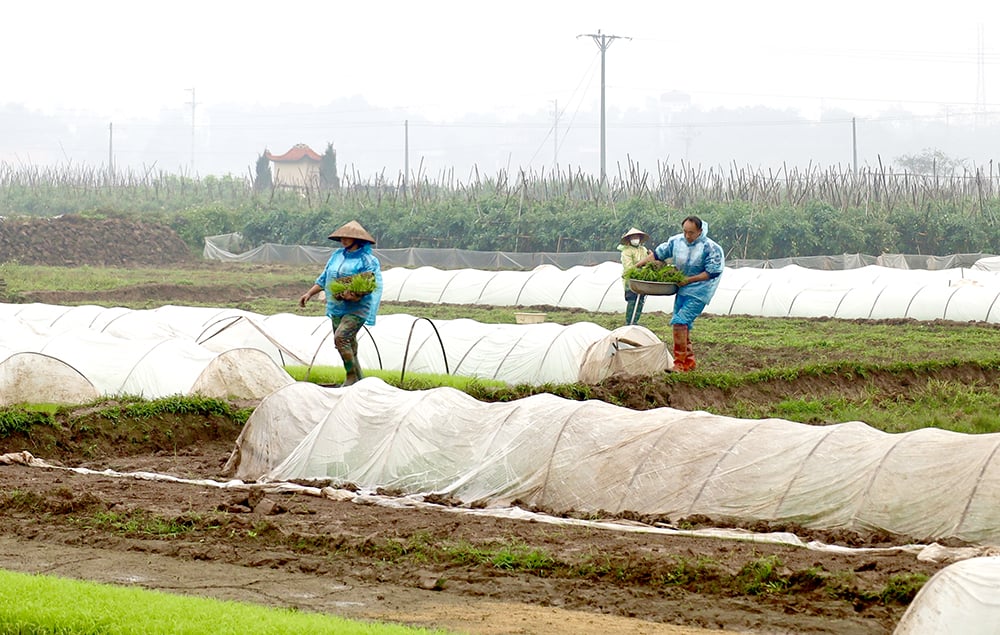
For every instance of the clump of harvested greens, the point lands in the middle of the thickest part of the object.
(655, 272)
(361, 284)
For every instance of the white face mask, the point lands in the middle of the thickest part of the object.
(635, 242)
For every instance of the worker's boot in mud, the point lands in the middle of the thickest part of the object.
(358, 375)
(689, 354)
(350, 369)
(680, 347)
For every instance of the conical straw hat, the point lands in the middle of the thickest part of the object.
(352, 229)
(634, 232)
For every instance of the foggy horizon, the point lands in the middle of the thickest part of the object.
(372, 142)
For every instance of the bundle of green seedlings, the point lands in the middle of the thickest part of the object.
(360, 284)
(655, 272)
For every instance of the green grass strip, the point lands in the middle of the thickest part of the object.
(37, 605)
(411, 381)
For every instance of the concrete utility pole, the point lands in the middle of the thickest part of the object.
(603, 42)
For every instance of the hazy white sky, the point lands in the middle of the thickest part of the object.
(444, 58)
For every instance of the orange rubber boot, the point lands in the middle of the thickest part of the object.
(680, 347)
(689, 357)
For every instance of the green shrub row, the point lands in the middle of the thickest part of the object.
(783, 231)
(491, 217)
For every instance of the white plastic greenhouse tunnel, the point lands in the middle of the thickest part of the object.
(52, 354)
(870, 292)
(559, 455)
(961, 599)
(848, 286)
(226, 352)
(533, 354)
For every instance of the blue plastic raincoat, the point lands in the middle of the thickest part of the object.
(343, 263)
(703, 255)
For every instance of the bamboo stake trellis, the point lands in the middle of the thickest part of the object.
(878, 189)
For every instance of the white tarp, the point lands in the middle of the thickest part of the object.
(561, 455)
(38, 378)
(627, 350)
(52, 354)
(514, 353)
(870, 292)
(988, 264)
(961, 599)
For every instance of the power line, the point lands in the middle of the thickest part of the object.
(603, 42)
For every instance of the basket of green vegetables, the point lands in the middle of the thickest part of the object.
(654, 279)
(352, 288)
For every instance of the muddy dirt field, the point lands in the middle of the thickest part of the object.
(382, 558)
(365, 560)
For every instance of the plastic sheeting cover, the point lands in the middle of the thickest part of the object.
(38, 378)
(224, 246)
(588, 456)
(869, 292)
(627, 350)
(961, 599)
(530, 354)
(73, 353)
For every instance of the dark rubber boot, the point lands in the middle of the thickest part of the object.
(351, 378)
(350, 368)
(357, 366)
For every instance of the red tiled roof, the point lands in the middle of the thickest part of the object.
(298, 152)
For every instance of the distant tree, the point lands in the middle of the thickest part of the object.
(262, 178)
(931, 161)
(328, 177)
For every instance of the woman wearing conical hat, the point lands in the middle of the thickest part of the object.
(633, 250)
(349, 310)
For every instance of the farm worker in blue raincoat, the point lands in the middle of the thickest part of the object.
(701, 260)
(633, 250)
(347, 310)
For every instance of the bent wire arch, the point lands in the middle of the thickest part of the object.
(234, 320)
(468, 351)
(406, 351)
(482, 289)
